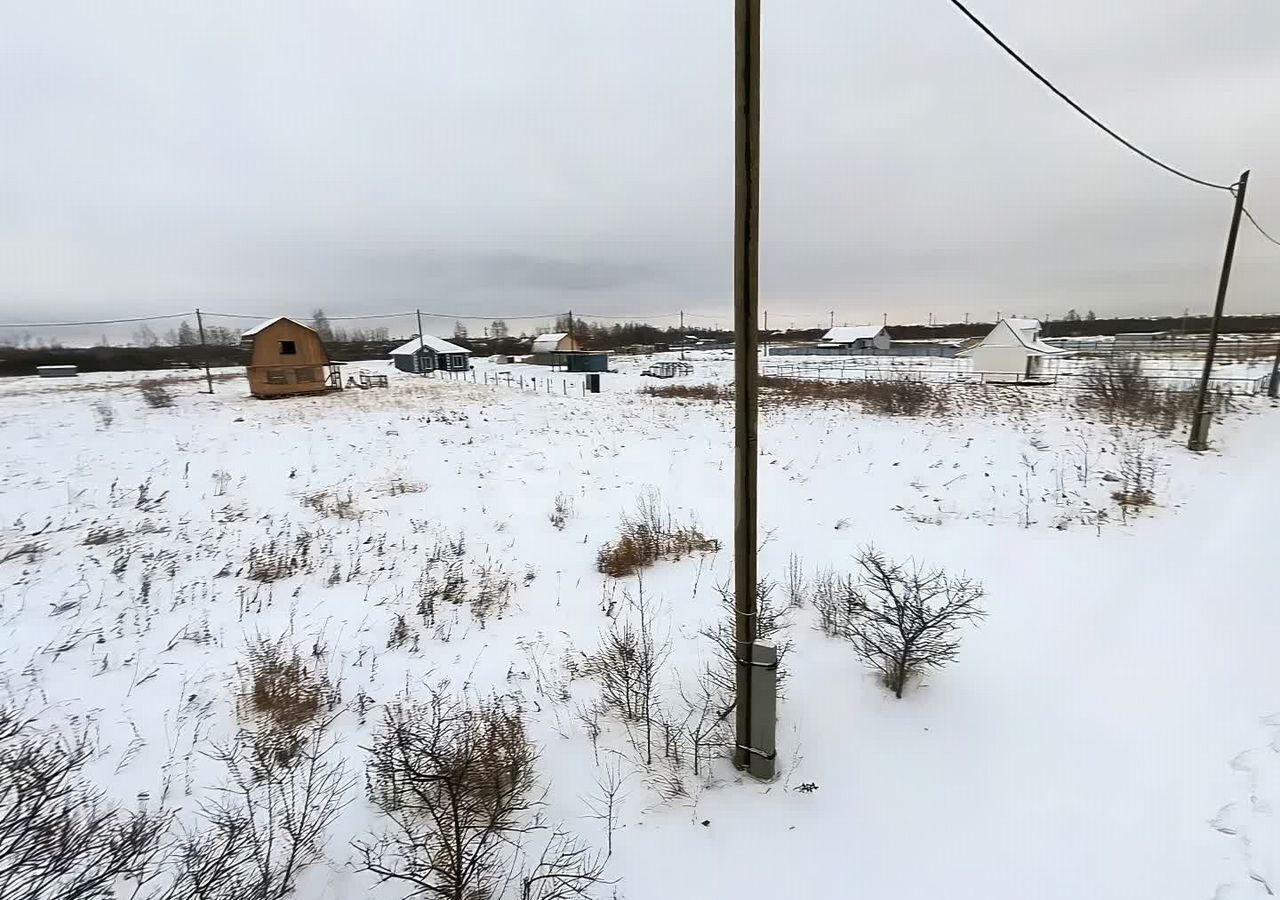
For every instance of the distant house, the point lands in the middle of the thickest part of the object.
(287, 357)
(428, 354)
(1012, 352)
(554, 343)
(858, 337)
(552, 349)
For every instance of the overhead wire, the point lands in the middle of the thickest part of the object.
(1261, 231)
(93, 322)
(1080, 109)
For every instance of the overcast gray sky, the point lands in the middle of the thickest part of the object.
(504, 157)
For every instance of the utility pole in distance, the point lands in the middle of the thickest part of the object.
(204, 351)
(1200, 418)
(756, 665)
(418, 366)
(1273, 388)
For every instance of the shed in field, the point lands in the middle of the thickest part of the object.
(554, 343)
(586, 361)
(428, 354)
(858, 337)
(57, 371)
(1012, 352)
(288, 357)
(551, 349)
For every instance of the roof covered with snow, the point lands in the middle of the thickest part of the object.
(847, 334)
(547, 343)
(1032, 325)
(434, 344)
(1016, 333)
(263, 326)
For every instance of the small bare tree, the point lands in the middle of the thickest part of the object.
(269, 823)
(629, 664)
(60, 838)
(566, 868)
(455, 780)
(604, 803)
(907, 619)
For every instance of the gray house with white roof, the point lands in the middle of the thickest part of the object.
(428, 354)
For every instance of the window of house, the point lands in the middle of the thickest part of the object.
(305, 376)
(277, 376)
(288, 348)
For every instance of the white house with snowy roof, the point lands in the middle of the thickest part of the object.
(858, 337)
(1012, 352)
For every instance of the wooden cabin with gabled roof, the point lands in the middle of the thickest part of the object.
(287, 357)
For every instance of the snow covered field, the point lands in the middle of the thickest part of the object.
(1110, 730)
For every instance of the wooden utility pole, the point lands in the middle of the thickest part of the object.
(419, 366)
(833, 319)
(1273, 388)
(1200, 418)
(753, 750)
(204, 351)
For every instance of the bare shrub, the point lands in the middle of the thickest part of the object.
(561, 512)
(268, 825)
(649, 534)
(60, 839)
(1137, 478)
(105, 413)
(455, 781)
(565, 869)
(834, 600)
(904, 620)
(1118, 391)
(628, 664)
(332, 503)
(155, 394)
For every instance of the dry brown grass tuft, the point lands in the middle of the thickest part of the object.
(155, 394)
(713, 392)
(886, 398)
(331, 503)
(279, 689)
(648, 535)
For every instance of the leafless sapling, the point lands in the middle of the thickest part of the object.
(455, 781)
(60, 838)
(909, 618)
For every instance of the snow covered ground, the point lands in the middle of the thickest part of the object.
(1111, 730)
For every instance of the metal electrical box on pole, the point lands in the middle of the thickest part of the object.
(755, 699)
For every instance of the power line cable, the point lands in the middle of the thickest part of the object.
(95, 322)
(1080, 109)
(1262, 232)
